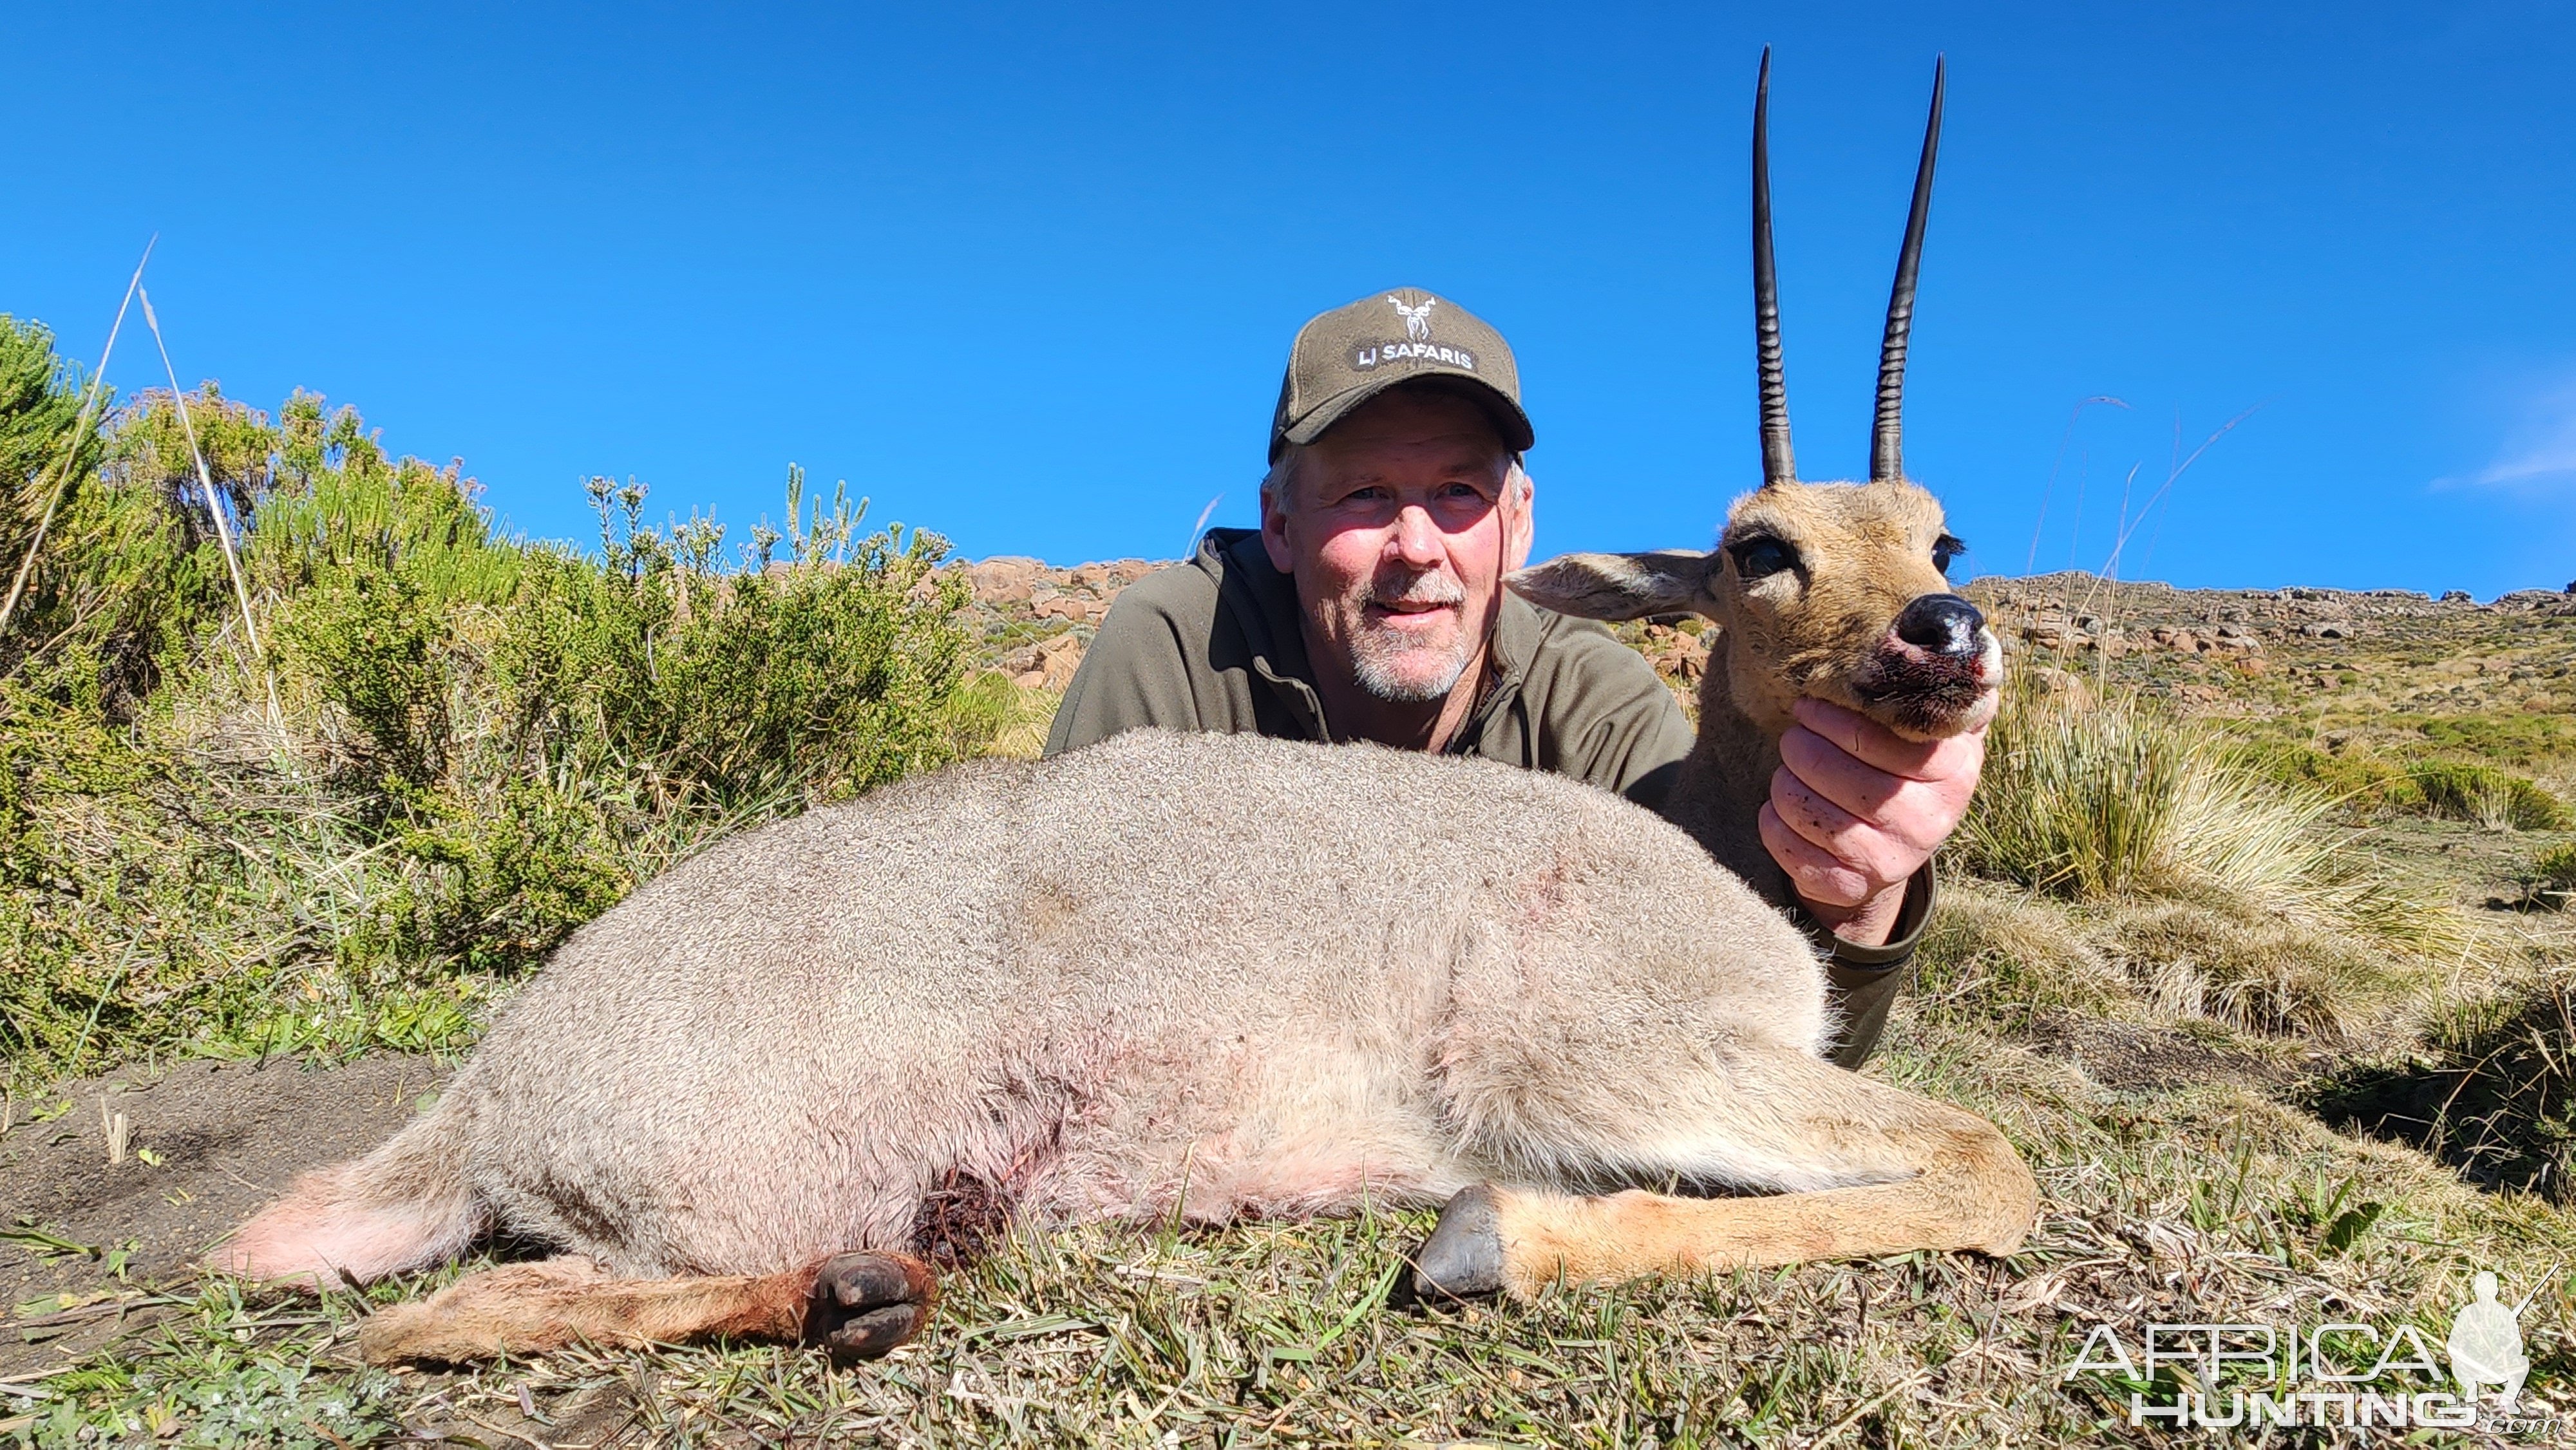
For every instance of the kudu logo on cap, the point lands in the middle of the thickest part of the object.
(1349, 355)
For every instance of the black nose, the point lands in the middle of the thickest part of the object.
(1942, 623)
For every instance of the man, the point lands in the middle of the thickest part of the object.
(1370, 606)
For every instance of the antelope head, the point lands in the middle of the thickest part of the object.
(1838, 591)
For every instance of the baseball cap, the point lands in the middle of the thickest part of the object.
(1349, 355)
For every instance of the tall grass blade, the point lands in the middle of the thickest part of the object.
(89, 409)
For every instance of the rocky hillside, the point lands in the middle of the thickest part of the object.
(1036, 620)
(2232, 651)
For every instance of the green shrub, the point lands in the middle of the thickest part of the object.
(455, 748)
(40, 399)
(2493, 798)
(827, 673)
(2524, 737)
(2356, 779)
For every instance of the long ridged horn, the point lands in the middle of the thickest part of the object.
(1886, 442)
(1779, 465)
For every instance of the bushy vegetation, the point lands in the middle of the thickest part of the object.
(446, 749)
(2523, 738)
(2098, 799)
(2494, 798)
(2358, 780)
(2362, 781)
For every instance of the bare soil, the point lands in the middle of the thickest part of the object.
(82, 1240)
(2132, 1057)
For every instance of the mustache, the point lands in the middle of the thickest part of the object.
(1425, 588)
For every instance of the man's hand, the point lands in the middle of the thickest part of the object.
(1856, 809)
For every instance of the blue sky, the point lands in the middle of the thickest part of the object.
(1027, 275)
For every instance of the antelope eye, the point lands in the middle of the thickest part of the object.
(1945, 549)
(1761, 556)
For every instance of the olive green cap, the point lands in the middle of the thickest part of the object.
(1349, 355)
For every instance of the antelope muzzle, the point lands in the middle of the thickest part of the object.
(1935, 673)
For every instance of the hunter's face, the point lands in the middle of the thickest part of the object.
(1398, 529)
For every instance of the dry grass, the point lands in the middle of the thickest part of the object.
(2009, 957)
(2492, 1092)
(2113, 798)
(2258, 972)
(1025, 713)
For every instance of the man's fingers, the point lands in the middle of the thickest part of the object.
(1874, 744)
(1855, 808)
(1917, 813)
(1859, 845)
(1837, 774)
(1817, 874)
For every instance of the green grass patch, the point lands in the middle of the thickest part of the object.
(2108, 799)
(2550, 880)
(2495, 798)
(2355, 778)
(2523, 738)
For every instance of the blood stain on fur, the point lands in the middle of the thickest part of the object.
(960, 1219)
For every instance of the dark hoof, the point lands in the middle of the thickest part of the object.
(865, 1304)
(1463, 1258)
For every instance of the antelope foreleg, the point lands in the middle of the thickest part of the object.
(1961, 1187)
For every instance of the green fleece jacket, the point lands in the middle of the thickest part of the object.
(1217, 644)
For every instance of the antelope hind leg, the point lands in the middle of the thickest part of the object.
(1920, 1175)
(855, 1305)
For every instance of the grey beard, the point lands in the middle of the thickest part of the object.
(1375, 656)
(1373, 665)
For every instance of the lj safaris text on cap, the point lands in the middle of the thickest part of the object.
(1370, 354)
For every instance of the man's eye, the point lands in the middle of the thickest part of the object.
(1945, 549)
(1759, 558)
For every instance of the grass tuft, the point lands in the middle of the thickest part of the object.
(2493, 1092)
(2257, 972)
(2495, 799)
(2550, 880)
(2011, 957)
(2109, 799)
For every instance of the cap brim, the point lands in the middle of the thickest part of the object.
(1510, 423)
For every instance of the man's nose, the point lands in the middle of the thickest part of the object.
(1417, 539)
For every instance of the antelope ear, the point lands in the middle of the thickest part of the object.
(1620, 586)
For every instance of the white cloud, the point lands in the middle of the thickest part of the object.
(2539, 456)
